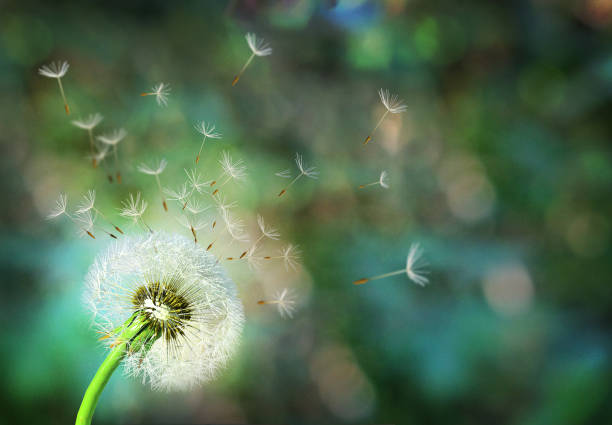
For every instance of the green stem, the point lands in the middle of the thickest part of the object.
(132, 338)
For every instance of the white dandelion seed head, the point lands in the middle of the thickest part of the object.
(257, 45)
(392, 102)
(60, 207)
(133, 207)
(285, 174)
(304, 169)
(153, 170)
(161, 93)
(415, 264)
(113, 138)
(383, 180)
(268, 231)
(207, 130)
(235, 170)
(90, 122)
(291, 256)
(285, 302)
(89, 199)
(54, 69)
(157, 275)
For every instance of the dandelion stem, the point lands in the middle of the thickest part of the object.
(237, 77)
(361, 186)
(59, 81)
(133, 337)
(367, 140)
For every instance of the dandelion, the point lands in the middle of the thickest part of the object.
(392, 104)
(382, 181)
(134, 208)
(161, 93)
(112, 139)
(168, 312)
(60, 208)
(156, 171)
(89, 124)
(258, 48)
(208, 131)
(414, 268)
(57, 70)
(284, 301)
(304, 171)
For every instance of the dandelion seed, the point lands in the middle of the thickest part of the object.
(258, 48)
(161, 93)
(86, 221)
(57, 70)
(192, 223)
(266, 232)
(414, 268)
(195, 181)
(113, 139)
(284, 301)
(208, 131)
(60, 207)
(180, 195)
(304, 171)
(231, 170)
(382, 181)
(392, 104)
(89, 124)
(156, 171)
(134, 208)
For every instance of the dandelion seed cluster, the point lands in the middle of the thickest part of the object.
(186, 298)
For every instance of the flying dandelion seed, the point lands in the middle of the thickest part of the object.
(284, 301)
(60, 208)
(304, 171)
(156, 171)
(382, 181)
(89, 124)
(231, 171)
(208, 131)
(88, 204)
(258, 48)
(414, 268)
(392, 104)
(134, 208)
(266, 232)
(57, 70)
(112, 140)
(167, 311)
(161, 93)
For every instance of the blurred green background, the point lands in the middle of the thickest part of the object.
(500, 168)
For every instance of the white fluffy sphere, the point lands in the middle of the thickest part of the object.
(185, 295)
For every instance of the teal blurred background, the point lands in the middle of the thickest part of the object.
(501, 168)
